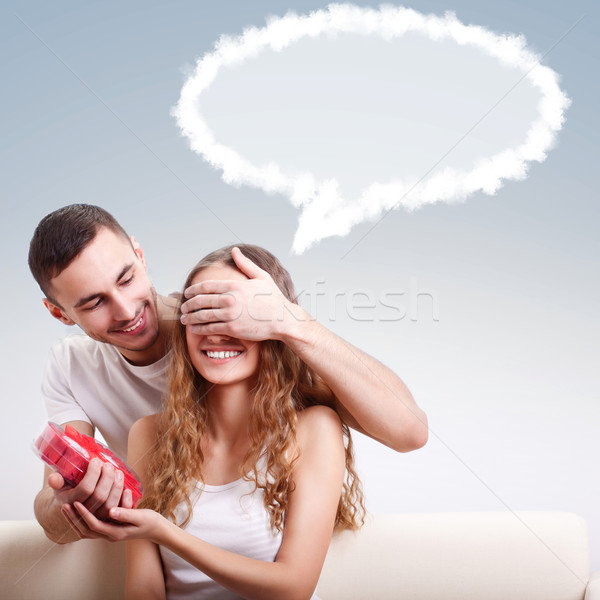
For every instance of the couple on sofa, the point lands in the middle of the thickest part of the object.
(233, 407)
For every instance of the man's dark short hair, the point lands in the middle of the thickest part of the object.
(62, 235)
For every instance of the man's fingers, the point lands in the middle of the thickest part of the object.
(211, 286)
(114, 496)
(126, 499)
(85, 488)
(212, 328)
(102, 489)
(205, 306)
(65, 493)
(247, 267)
(207, 315)
(204, 300)
(56, 481)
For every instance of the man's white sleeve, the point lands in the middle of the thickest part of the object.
(61, 403)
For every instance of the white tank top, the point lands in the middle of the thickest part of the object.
(230, 516)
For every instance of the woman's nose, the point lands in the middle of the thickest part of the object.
(217, 339)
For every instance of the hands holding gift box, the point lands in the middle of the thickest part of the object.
(95, 476)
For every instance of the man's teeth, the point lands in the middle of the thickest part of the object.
(134, 326)
(222, 354)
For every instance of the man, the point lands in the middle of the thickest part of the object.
(93, 275)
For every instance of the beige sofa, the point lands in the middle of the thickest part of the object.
(466, 556)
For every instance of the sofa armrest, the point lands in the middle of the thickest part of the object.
(592, 592)
(32, 566)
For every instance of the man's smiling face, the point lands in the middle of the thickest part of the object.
(107, 292)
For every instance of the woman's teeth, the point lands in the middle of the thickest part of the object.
(134, 327)
(222, 354)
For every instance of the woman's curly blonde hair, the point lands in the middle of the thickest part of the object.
(286, 386)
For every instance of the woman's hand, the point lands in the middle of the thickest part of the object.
(126, 523)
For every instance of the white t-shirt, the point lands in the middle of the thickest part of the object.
(90, 381)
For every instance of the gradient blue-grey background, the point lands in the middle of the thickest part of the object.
(499, 343)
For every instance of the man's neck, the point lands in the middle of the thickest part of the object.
(168, 315)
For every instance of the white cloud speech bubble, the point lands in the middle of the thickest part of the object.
(353, 111)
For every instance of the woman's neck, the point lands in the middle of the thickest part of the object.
(227, 442)
(229, 408)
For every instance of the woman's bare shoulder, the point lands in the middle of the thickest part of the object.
(142, 436)
(318, 420)
(145, 426)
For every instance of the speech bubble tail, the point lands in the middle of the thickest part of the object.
(327, 214)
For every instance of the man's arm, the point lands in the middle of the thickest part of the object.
(369, 396)
(100, 489)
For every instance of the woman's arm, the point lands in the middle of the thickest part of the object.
(144, 572)
(309, 522)
(145, 580)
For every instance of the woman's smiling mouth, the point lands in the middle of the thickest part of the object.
(222, 353)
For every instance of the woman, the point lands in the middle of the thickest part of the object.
(250, 474)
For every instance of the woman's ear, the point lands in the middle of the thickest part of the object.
(57, 312)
